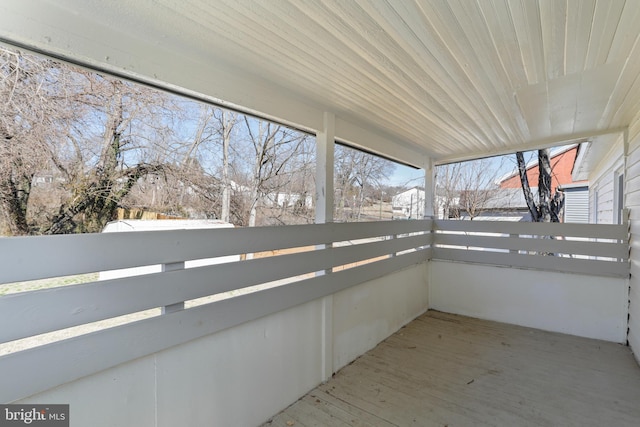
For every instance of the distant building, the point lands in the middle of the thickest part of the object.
(288, 200)
(503, 204)
(409, 204)
(562, 160)
(576, 202)
(576, 193)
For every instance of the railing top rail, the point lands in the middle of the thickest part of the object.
(596, 231)
(30, 258)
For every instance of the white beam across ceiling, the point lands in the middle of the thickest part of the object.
(550, 142)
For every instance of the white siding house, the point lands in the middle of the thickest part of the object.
(603, 169)
(612, 194)
(408, 204)
(632, 203)
(576, 203)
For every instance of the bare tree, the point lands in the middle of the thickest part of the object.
(478, 186)
(226, 122)
(274, 149)
(357, 174)
(31, 116)
(468, 186)
(548, 207)
(103, 174)
(105, 144)
(447, 190)
(94, 133)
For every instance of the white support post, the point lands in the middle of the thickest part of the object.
(325, 146)
(173, 266)
(429, 188)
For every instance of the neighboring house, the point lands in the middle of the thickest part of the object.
(505, 204)
(409, 204)
(47, 178)
(575, 188)
(562, 160)
(602, 162)
(446, 203)
(576, 202)
(288, 200)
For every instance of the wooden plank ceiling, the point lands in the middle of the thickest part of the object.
(450, 79)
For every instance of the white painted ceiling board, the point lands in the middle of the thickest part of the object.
(553, 20)
(623, 105)
(579, 22)
(446, 79)
(605, 23)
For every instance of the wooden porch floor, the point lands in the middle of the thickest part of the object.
(449, 370)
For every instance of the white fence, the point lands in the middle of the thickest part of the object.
(322, 260)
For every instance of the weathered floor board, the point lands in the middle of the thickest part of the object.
(449, 370)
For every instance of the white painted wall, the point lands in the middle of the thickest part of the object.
(593, 307)
(243, 375)
(603, 177)
(633, 204)
(604, 174)
(366, 314)
(602, 212)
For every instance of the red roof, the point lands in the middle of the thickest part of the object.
(561, 166)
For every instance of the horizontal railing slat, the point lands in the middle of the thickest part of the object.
(49, 310)
(599, 231)
(591, 248)
(30, 258)
(47, 366)
(567, 265)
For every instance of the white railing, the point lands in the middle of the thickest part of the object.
(592, 249)
(67, 332)
(286, 266)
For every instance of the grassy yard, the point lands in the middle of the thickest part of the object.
(33, 285)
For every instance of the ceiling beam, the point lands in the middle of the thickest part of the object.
(554, 141)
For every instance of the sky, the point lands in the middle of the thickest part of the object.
(410, 177)
(407, 177)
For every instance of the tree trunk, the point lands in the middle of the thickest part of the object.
(227, 125)
(15, 193)
(544, 186)
(526, 189)
(548, 207)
